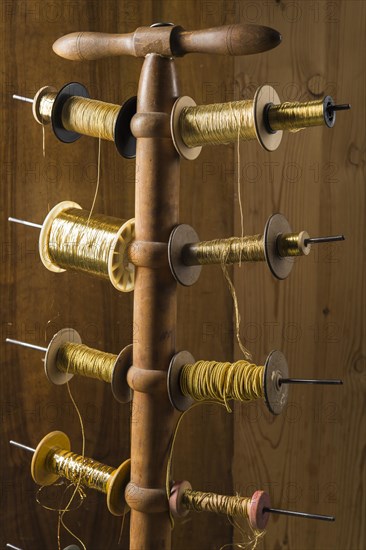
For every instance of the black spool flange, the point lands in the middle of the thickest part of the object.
(67, 91)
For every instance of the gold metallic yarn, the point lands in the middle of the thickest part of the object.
(83, 243)
(217, 123)
(220, 504)
(90, 117)
(46, 105)
(233, 250)
(294, 116)
(85, 361)
(209, 380)
(80, 469)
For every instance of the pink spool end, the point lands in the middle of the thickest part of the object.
(257, 517)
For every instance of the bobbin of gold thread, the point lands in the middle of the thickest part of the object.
(193, 126)
(273, 392)
(115, 265)
(72, 113)
(53, 459)
(183, 500)
(60, 373)
(277, 246)
(263, 118)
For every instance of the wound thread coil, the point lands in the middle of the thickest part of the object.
(232, 506)
(82, 242)
(296, 115)
(76, 468)
(217, 123)
(221, 382)
(80, 359)
(90, 117)
(232, 250)
(74, 239)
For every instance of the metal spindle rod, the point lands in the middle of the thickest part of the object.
(22, 98)
(317, 240)
(341, 107)
(25, 344)
(299, 514)
(21, 446)
(24, 222)
(309, 381)
(8, 545)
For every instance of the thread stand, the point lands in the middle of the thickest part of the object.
(50, 106)
(123, 361)
(278, 247)
(44, 473)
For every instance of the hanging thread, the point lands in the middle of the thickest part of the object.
(92, 474)
(90, 117)
(82, 242)
(80, 359)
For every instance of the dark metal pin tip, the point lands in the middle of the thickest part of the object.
(299, 514)
(310, 381)
(319, 240)
(341, 107)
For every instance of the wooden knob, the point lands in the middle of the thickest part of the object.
(170, 41)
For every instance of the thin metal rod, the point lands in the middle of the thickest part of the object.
(299, 514)
(24, 222)
(25, 344)
(342, 107)
(22, 98)
(309, 381)
(317, 240)
(21, 446)
(8, 545)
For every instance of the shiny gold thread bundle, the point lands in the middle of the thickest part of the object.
(293, 116)
(46, 105)
(217, 123)
(90, 117)
(80, 359)
(82, 242)
(220, 504)
(80, 469)
(230, 251)
(209, 380)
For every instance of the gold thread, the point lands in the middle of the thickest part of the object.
(217, 123)
(232, 506)
(92, 474)
(294, 116)
(90, 117)
(45, 106)
(85, 361)
(221, 382)
(82, 242)
(234, 250)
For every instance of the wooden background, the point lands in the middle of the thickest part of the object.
(309, 458)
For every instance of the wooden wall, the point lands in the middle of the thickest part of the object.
(310, 457)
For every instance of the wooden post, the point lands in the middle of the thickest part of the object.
(155, 304)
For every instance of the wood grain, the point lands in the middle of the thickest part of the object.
(310, 458)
